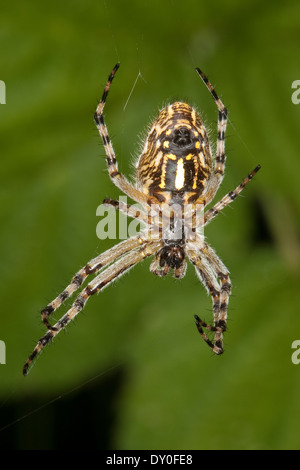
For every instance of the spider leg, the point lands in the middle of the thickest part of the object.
(219, 168)
(211, 213)
(90, 268)
(127, 209)
(117, 178)
(222, 274)
(210, 269)
(111, 273)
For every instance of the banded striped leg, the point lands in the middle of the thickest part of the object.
(152, 220)
(211, 213)
(219, 293)
(220, 153)
(222, 274)
(117, 178)
(103, 279)
(92, 267)
(127, 209)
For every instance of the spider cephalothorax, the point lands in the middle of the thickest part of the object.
(170, 257)
(176, 177)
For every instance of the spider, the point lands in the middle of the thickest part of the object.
(176, 177)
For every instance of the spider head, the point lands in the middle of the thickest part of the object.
(169, 257)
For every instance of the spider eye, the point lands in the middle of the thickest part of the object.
(182, 137)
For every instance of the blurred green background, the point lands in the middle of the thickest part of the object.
(132, 372)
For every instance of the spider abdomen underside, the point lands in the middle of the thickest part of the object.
(176, 162)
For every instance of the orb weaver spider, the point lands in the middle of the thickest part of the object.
(176, 177)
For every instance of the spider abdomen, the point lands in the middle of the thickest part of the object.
(176, 158)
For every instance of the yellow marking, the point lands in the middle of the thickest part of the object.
(202, 159)
(169, 131)
(197, 144)
(171, 156)
(183, 123)
(158, 129)
(170, 111)
(196, 165)
(147, 185)
(189, 156)
(166, 144)
(194, 117)
(201, 131)
(180, 174)
(158, 158)
(162, 183)
(195, 133)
